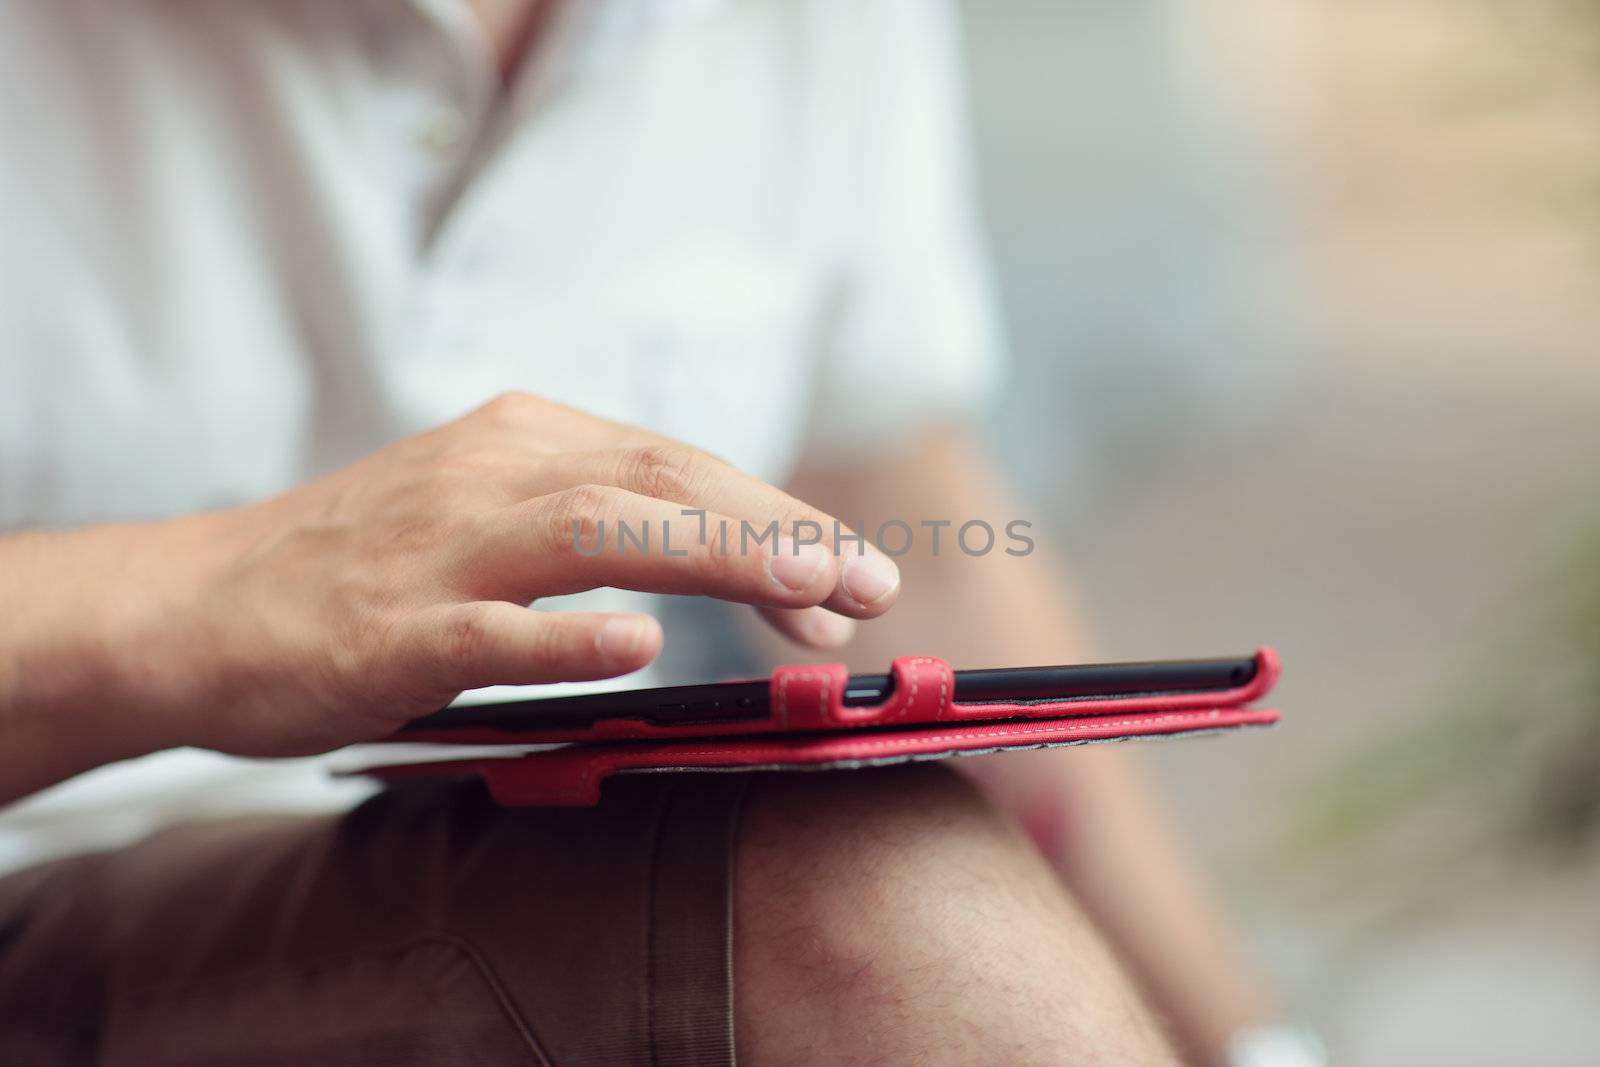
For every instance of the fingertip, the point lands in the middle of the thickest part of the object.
(806, 569)
(869, 583)
(628, 642)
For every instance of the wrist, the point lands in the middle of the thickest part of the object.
(99, 654)
(157, 648)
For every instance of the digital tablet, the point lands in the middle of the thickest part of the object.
(729, 702)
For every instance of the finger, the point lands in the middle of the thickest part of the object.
(591, 536)
(812, 627)
(868, 580)
(464, 646)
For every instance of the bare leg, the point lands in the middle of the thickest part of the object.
(892, 916)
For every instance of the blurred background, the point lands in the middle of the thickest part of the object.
(1305, 303)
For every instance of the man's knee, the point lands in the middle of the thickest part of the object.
(895, 914)
(867, 852)
(875, 885)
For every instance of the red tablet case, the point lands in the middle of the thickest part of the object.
(810, 727)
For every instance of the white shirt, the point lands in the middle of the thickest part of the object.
(242, 244)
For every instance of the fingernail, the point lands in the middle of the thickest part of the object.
(795, 566)
(619, 639)
(869, 577)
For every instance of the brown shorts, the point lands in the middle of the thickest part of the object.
(427, 926)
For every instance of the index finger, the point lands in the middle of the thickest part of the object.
(648, 463)
(868, 581)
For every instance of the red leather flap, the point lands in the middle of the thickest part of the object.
(572, 776)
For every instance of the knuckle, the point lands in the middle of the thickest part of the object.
(714, 560)
(578, 511)
(360, 628)
(666, 472)
(729, 571)
(706, 567)
(465, 641)
(513, 408)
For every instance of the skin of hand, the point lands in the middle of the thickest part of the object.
(344, 607)
(1092, 810)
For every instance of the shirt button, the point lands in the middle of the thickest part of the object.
(443, 133)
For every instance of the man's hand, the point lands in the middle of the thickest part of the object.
(343, 608)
